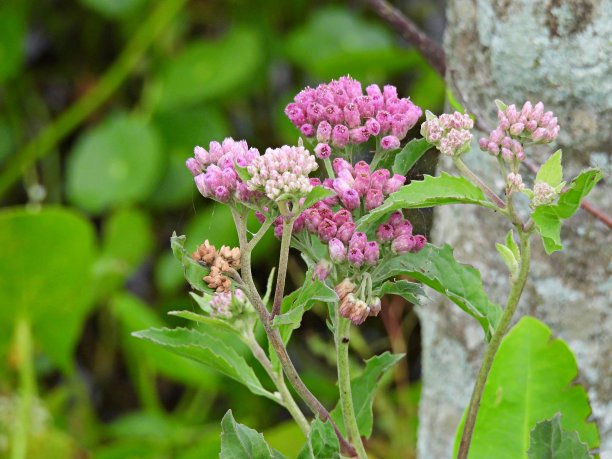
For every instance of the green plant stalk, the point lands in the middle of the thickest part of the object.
(329, 168)
(513, 300)
(275, 339)
(27, 388)
(342, 338)
(468, 174)
(279, 381)
(283, 259)
(70, 119)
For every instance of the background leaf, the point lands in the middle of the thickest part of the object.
(322, 442)
(410, 291)
(550, 440)
(409, 155)
(241, 442)
(532, 378)
(46, 265)
(551, 171)
(548, 217)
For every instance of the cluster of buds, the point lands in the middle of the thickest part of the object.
(530, 124)
(282, 172)
(339, 113)
(515, 182)
(228, 304)
(352, 307)
(543, 194)
(397, 232)
(450, 133)
(220, 262)
(214, 170)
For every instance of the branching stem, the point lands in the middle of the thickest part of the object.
(468, 174)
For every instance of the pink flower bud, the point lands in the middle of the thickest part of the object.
(385, 233)
(342, 216)
(312, 220)
(299, 223)
(390, 142)
(537, 112)
(526, 110)
(371, 253)
(403, 228)
(538, 134)
(222, 194)
(512, 114)
(373, 199)
(327, 230)
(295, 114)
(402, 244)
(507, 154)
(202, 156)
(351, 115)
(482, 143)
(365, 106)
(201, 185)
(340, 136)
(340, 164)
(194, 166)
(337, 250)
(419, 242)
(517, 128)
(531, 125)
(373, 90)
(324, 210)
(322, 151)
(373, 127)
(315, 113)
(493, 148)
(307, 130)
(356, 257)
(260, 217)
(324, 131)
(379, 178)
(375, 307)
(322, 270)
(384, 119)
(350, 199)
(359, 134)
(396, 218)
(346, 231)
(362, 183)
(334, 114)
(390, 92)
(394, 184)
(358, 241)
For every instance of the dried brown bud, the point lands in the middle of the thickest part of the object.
(205, 253)
(231, 256)
(344, 288)
(354, 309)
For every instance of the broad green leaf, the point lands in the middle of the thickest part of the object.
(511, 244)
(204, 320)
(193, 271)
(209, 350)
(431, 191)
(364, 388)
(551, 171)
(241, 442)
(210, 69)
(548, 217)
(408, 290)
(409, 155)
(12, 39)
(549, 440)
(115, 8)
(46, 265)
(532, 378)
(318, 193)
(437, 268)
(117, 162)
(346, 43)
(132, 314)
(322, 442)
(509, 259)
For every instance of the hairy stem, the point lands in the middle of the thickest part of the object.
(279, 381)
(468, 174)
(27, 388)
(281, 274)
(513, 300)
(259, 234)
(275, 339)
(70, 119)
(329, 168)
(342, 335)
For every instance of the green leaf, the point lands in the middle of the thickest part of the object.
(46, 265)
(532, 378)
(322, 442)
(364, 388)
(551, 171)
(117, 162)
(241, 442)
(408, 290)
(12, 39)
(318, 193)
(437, 268)
(132, 314)
(431, 191)
(193, 271)
(205, 320)
(242, 172)
(511, 244)
(509, 259)
(115, 8)
(410, 154)
(550, 440)
(206, 70)
(547, 218)
(208, 349)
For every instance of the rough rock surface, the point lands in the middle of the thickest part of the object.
(558, 52)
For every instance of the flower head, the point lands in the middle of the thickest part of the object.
(450, 133)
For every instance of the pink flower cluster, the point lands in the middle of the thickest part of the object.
(450, 133)
(214, 172)
(227, 304)
(530, 124)
(397, 232)
(282, 171)
(339, 113)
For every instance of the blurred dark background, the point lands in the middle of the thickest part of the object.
(101, 101)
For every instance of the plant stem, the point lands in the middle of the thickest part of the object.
(260, 234)
(329, 169)
(513, 300)
(281, 274)
(468, 174)
(70, 119)
(279, 380)
(275, 339)
(27, 386)
(343, 330)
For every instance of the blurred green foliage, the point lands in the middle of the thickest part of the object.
(84, 239)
